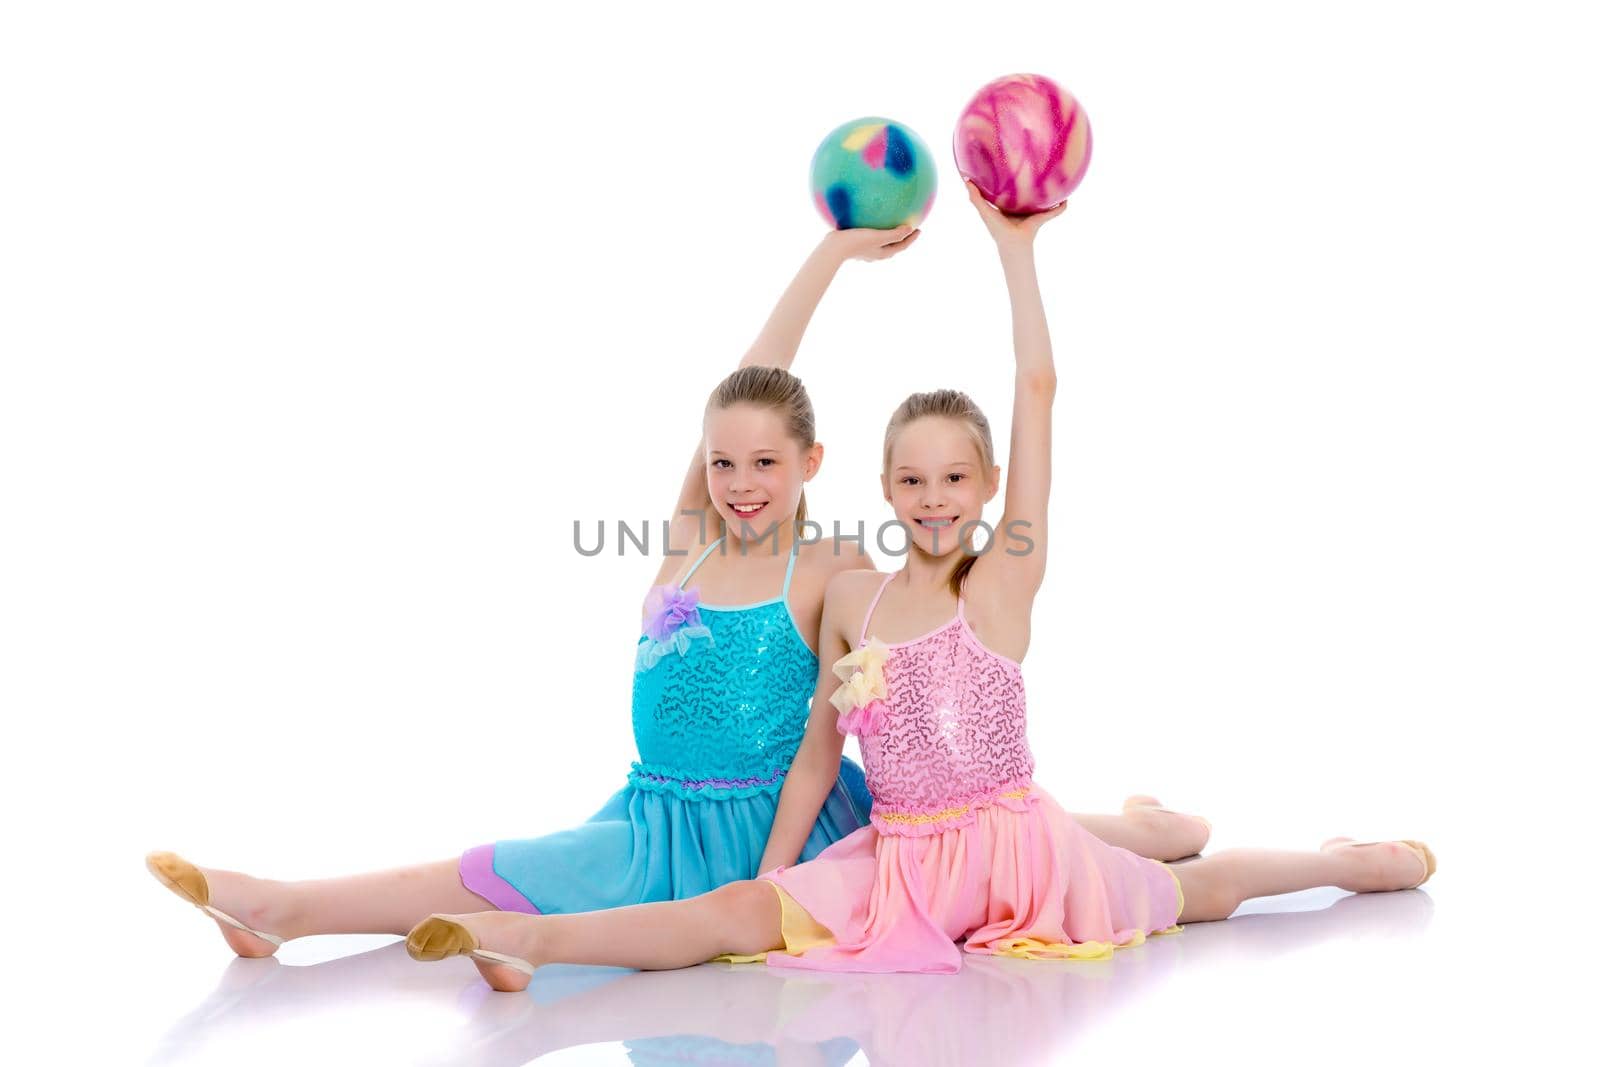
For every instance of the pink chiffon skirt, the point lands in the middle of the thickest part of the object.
(1020, 879)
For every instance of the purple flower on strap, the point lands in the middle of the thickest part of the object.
(669, 609)
(672, 620)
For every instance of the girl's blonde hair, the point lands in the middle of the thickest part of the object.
(776, 390)
(944, 404)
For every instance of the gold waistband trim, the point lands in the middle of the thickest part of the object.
(947, 813)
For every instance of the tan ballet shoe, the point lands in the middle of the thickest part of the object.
(185, 879)
(1423, 853)
(439, 937)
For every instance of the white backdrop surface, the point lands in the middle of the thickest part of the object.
(323, 323)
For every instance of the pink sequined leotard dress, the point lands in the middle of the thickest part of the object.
(962, 846)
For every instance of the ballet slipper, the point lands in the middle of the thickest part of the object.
(185, 879)
(1423, 853)
(439, 937)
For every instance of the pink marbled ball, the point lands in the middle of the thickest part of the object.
(1025, 142)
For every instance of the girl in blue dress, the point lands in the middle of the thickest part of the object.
(724, 675)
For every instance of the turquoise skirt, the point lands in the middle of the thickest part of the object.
(649, 844)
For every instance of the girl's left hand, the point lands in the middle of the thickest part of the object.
(1010, 229)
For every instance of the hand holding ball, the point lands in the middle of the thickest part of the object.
(1025, 142)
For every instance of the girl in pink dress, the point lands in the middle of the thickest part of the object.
(964, 850)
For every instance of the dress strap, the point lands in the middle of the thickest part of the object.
(867, 619)
(696, 566)
(788, 575)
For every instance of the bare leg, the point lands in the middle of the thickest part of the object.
(1214, 886)
(393, 901)
(378, 902)
(1148, 829)
(743, 918)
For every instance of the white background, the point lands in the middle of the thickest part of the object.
(322, 323)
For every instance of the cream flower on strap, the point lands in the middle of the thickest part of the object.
(868, 659)
(864, 687)
(856, 692)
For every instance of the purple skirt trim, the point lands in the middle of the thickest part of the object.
(712, 783)
(477, 874)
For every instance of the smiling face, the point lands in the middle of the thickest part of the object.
(937, 479)
(754, 469)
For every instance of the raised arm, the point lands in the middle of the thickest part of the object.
(1027, 500)
(693, 518)
(779, 339)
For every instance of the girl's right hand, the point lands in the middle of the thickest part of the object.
(869, 244)
(1010, 230)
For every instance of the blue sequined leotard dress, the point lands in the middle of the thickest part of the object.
(720, 701)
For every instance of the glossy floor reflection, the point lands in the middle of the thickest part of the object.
(717, 1013)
